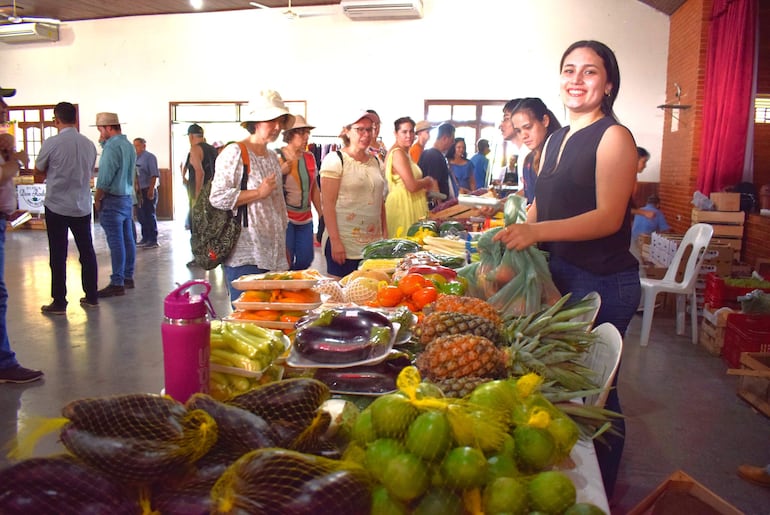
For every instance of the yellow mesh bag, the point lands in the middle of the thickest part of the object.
(138, 438)
(280, 481)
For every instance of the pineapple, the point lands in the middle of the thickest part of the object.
(460, 355)
(441, 323)
(461, 386)
(470, 305)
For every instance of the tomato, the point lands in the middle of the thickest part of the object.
(389, 296)
(429, 436)
(424, 296)
(464, 467)
(410, 283)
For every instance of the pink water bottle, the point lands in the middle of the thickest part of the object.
(186, 341)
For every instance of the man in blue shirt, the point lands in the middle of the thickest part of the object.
(481, 163)
(112, 200)
(644, 223)
(66, 162)
(147, 176)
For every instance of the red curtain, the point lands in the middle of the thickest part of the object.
(727, 101)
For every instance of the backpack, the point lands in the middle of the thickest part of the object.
(216, 231)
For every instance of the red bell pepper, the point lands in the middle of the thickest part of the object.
(444, 271)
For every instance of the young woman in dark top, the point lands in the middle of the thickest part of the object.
(581, 213)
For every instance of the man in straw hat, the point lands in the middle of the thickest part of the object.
(422, 132)
(10, 369)
(112, 199)
(261, 246)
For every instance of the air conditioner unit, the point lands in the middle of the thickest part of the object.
(14, 33)
(382, 9)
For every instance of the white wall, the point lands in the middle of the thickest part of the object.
(484, 49)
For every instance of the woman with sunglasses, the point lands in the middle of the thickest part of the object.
(352, 197)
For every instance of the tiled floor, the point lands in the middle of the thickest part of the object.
(681, 406)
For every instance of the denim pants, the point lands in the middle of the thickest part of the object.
(234, 272)
(58, 227)
(299, 245)
(116, 220)
(7, 356)
(145, 214)
(620, 293)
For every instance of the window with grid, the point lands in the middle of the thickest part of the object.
(33, 125)
(473, 119)
(762, 109)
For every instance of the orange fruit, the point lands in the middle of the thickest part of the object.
(410, 283)
(389, 296)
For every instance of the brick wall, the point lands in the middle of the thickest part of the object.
(688, 44)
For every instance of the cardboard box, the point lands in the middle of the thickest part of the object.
(754, 384)
(733, 243)
(679, 494)
(726, 201)
(719, 217)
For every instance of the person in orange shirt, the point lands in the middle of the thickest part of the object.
(422, 134)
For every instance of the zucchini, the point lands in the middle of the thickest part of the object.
(390, 248)
(429, 225)
(451, 227)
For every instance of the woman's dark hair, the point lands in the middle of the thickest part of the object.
(251, 127)
(610, 66)
(537, 109)
(451, 152)
(642, 152)
(404, 119)
(287, 135)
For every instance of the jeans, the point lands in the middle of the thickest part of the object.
(234, 272)
(620, 293)
(57, 227)
(299, 245)
(145, 213)
(7, 356)
(116, 220)
(334, 268)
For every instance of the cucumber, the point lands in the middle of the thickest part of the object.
(390, 248)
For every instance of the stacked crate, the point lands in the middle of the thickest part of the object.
(712, 329)
(727, 220)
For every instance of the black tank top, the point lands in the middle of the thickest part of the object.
(567, 188)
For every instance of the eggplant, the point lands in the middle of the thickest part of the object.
(134, 415)
(291, 400)
(358, 380)
(280, 481)
(62, 485)
(343, 336)
(237, 426)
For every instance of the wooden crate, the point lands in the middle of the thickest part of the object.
(754, 385)
(456, 211)
(711, 337)
(679, 494)
(726, 201)
(727, 231)
(717, 217)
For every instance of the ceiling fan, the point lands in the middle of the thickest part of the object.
(288, 13)
(13, 17)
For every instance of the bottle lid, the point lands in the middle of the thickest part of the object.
(179, 304)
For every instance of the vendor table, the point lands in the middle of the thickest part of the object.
(586, 475)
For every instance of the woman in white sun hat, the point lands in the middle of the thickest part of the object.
(261, 246)
(352, 196)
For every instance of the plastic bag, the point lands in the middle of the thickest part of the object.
(702, 202)
(515, 282)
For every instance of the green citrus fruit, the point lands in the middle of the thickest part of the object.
(429, 390)
(501, 465)
(464, 467)
(551, 492)
(505, 495)
(565, 434)
(535, 448)
(508, 447)
(429, 436)
(406, 477)
(496, 395)
(363, 430)
(384, 504)
(440, 501)
(391, 415)
(584, 508)
(379, 453)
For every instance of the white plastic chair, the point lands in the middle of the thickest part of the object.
(697, 237)
(604, 358)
